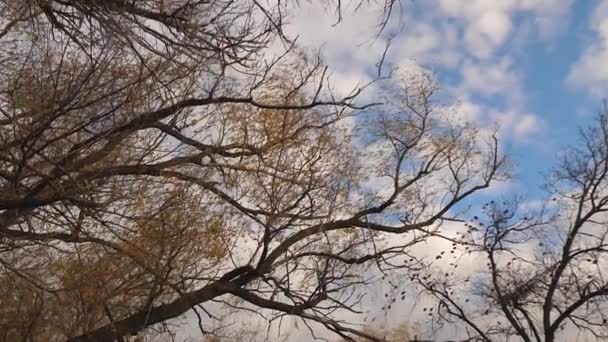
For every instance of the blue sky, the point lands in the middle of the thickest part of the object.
(536, 68)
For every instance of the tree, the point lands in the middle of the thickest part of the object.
(545, 275)
(156, 159)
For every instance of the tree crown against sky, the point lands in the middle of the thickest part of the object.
(161, 157)
(541, 268)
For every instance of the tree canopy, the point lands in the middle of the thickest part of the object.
(544, 277)
(157, 156)
(166, 157)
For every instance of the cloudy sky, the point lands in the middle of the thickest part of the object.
(535, 68)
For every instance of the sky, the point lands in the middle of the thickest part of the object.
(536, 69)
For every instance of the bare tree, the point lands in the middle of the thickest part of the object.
(546, 266)
(157, 158)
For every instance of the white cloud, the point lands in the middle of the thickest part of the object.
(590, 72)
(421, 39)
(517, 125)
(513, 124)
(463, 112)
(489, 23)
(487, 32)
(526, 125)
(490, 78)
(348, 44)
